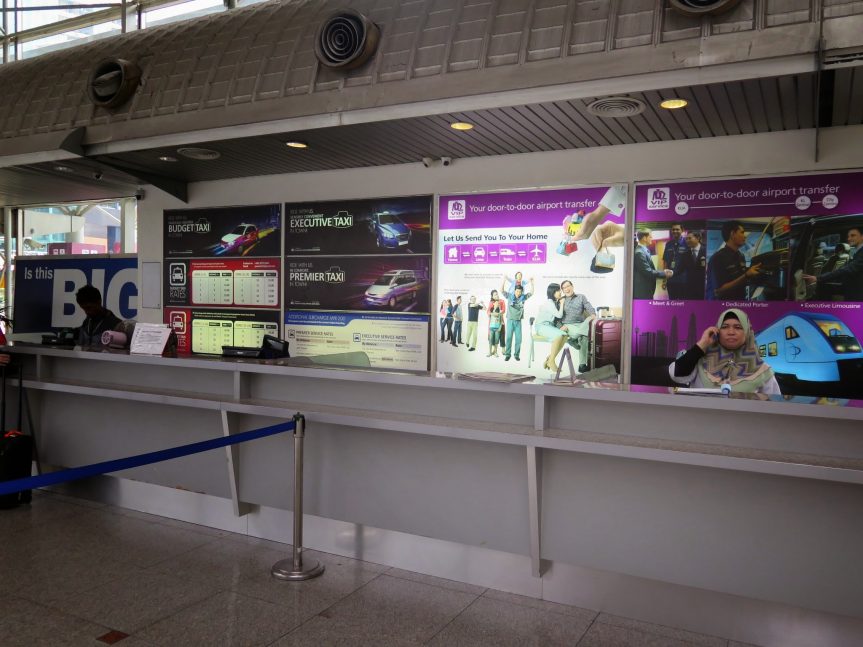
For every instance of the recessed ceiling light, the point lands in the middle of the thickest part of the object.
(460, 125)
(63, 169)
(167, 158)
(296, 144)
(673, 104)
(201, 154)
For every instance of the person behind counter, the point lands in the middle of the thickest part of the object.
(98, 320)
(726, 354)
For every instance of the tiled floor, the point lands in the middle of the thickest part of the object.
(77, 573)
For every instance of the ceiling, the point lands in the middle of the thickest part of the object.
(715, 110)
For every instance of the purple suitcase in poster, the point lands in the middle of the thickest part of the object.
(606, 335)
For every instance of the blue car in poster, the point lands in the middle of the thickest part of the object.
(389, 230)
(811, 347)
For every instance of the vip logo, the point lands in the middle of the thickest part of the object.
(659, 198)
(456, 210)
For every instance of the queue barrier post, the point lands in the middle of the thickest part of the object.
(293, 570)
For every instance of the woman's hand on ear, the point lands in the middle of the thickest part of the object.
(708, 337)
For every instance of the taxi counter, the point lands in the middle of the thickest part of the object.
(611, 497)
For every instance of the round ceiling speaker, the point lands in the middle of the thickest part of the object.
(113, 81)
(616, 107)
(699, 8)
(346, 40)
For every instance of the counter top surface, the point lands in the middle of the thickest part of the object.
(807, 406)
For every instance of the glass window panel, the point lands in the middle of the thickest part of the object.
(69, 38)
(76, 229)
(38, 18)
(182, 11)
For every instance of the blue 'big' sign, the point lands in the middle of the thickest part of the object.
(45, 290)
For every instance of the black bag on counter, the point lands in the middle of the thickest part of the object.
(16, 449)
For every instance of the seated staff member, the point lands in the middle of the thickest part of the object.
(726, 354)
(98, 320)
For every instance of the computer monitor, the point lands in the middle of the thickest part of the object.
(273, 348)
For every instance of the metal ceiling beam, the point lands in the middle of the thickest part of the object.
(780, 66)
(177, 188)
(50, 147)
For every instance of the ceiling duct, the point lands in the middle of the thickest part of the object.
(200, 154)
(346, 40)
(616, 107)
(112, 82)
(702, 7)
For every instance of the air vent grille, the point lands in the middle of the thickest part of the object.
(702, 7)
(201, 154)
(346, 40)
(112, 82)
(616, 107)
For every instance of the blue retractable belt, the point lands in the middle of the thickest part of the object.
(74, 473)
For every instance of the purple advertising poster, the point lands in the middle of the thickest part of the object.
(781, 249)
(523, 275)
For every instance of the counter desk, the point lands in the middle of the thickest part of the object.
(568, 493)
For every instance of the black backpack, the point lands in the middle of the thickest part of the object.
(16, 448)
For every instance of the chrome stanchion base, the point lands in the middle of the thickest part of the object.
(284, 570)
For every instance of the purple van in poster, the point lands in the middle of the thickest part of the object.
(783, 249)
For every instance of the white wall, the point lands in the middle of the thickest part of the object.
(762, 154)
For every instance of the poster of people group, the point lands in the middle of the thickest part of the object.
(357, 279)
(524, 275)
(781, 249)
(222, 276)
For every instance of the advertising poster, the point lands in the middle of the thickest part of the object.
(228, 282)
(45, 290)
(223, 231)
(357, 278)
(222, 258)
(780, 249)
(206, 331)
(383, 225)
(361, 283)
(389, 340)
(528, 274)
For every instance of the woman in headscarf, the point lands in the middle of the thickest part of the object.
(726, 354)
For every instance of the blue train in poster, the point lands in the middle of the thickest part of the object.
(811, 347)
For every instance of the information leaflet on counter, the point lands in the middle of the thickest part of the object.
(149, 339)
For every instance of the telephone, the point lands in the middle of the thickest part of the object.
(66, 337)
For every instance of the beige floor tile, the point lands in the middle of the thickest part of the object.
(452, 585)
(226, 619)
(131, 604)
(24, 623)
(222, 563)
(495, 623)
(543, 605)
(342, 576)
(394, 609)
(660, 630)
(604, 635)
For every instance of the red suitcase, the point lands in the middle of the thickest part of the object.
(606, 335)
